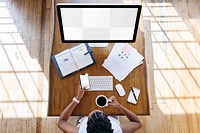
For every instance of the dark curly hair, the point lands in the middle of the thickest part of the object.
(98, 122)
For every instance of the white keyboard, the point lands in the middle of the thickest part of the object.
(101, 83)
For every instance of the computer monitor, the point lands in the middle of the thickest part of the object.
(98, 24)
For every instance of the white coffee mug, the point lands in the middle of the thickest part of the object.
(102, 101)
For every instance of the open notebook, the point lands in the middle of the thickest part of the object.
(73, 59)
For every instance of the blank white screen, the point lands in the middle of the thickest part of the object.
(98, 23)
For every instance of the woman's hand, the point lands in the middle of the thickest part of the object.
(114, 102)
(80, 93)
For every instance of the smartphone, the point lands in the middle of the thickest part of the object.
(85, 83)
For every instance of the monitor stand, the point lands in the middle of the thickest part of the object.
(98, 45)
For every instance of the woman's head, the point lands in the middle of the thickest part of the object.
(98, 122)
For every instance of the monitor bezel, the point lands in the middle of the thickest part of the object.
(70, 5)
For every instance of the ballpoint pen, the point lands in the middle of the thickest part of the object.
(133, 93)
(88, 52)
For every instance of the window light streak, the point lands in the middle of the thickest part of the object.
(189, 83)
(160, 57)
(176, 60)
(172, 106)
(173, 36)
(28, 85)
(131, 2)
(173, 77)
(3, 95)
(155, 26)
(167, 57)
(6, 38)
(195, 23)
(14, 56)
(194, 49)
(6, 63)
(17, 38)
(8, 28)
(169, 19)
(164, 11)
(30, 63)
(187, 58)
(165, 92)
(14, 91)
(171, 26)
(23, 84)
(4, 13)
(159, 36)
(8, 110)
(6, 21)
(146, 12)
(2, 4)
(186, 36)
(159, 4)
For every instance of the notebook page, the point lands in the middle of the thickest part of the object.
(65, 62)
(82, 60)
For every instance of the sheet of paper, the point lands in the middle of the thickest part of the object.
(65, 62)
(120, 78)
(122, 59)
(131, 97)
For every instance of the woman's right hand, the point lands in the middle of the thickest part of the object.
(80, 93)
(114, 102)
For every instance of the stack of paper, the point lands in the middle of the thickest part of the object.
(122, 59)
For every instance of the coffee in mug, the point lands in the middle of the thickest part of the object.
(102, 101)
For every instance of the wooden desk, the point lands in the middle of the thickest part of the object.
(61, 91)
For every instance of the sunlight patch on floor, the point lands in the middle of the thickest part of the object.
(23, 85)
(176, 60)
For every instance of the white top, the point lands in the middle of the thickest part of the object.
(114, 122)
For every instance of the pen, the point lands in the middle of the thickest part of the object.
(88, 52)
(133, 93)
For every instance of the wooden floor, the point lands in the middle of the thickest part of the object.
(172, 30)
